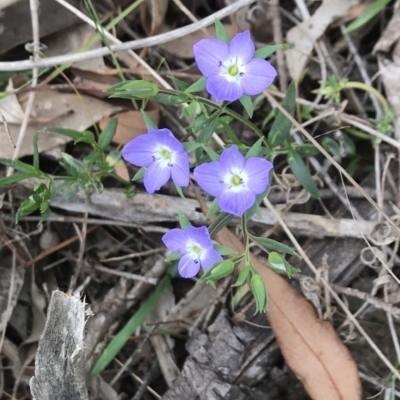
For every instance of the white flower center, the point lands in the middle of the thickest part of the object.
(195, 251)
(165, 155)
(235, 180)
(232, 69)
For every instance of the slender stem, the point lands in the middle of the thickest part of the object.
(370, 89)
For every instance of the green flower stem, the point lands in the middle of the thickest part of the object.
(369, 89)
(225, 110)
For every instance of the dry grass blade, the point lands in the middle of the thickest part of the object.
(310, 346)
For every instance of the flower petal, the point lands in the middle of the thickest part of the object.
(236, 202)
(232, 159)
(180, 171)
(258, 75)
(175, 240)
(242, 47)
(139, 151)
(209, 54)
(210, 258)
(209, 177)
(156, 176)
(187, 267)
(222, 89)
(200, 236)
(166, 137)
(257, 171)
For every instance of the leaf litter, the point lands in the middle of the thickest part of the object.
(191, 318)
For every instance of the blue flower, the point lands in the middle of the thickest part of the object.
(196, 248)
(163, 156)
(232, 70)
(234, 180)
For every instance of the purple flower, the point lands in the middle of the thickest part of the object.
(232, 70)
(234, 180)
(163, 156)
(196, 248)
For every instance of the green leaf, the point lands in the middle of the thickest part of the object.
(214, 208)
(9, 180)
(220, 222)
(180, 191)
(197, 86)
(247, 104)
(181, 84)
(72, 161)
(191, 146)
(374, 9)
(106, 136)
(172, 257)
(301, 172)
(280, 130)
(20, 166)
(280, 265)
(190, 110)
(205, 134)
(220, 31)
(259, 292)
(224, 250)
(139, 174)
(243, 276)
(307, 150)
(150, 124)
(183, 220)
(255, 150)
(211, 153)
(138, 89)
(266, 51)
(35, 151)
(85, 136)
(120, 339)
(331, 145)
(218, 271)
(169, 98)
(271, 244)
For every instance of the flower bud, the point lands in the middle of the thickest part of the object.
(221, 270)
(259, 292)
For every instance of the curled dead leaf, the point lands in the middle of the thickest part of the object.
(152, 15)
(311, 347)
(131, 123)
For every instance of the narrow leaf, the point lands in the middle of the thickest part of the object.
(181, 84)
(213, 209)
(183, 220)
(198, 86)
(255, 150)
(271, 244)
(35, 151)
(120, 339)
(139, 174)
(8, 180)
(108, 133)
(301, 172)
(150, 124)
(247, 104)
(224, 250)
(266, 51)
(374, 9)
(220, 31)
(191, 146)
(280, 130)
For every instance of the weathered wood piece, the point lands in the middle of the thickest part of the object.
(60, 359)
(145, 208)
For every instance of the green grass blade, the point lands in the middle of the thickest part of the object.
(119, 340)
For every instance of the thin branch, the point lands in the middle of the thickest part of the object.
(131, 45)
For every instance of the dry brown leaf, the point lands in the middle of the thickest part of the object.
(131, 123)
(50, 109)
(152, 15)
(303, 36)
(310, 346)
(183, 47)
